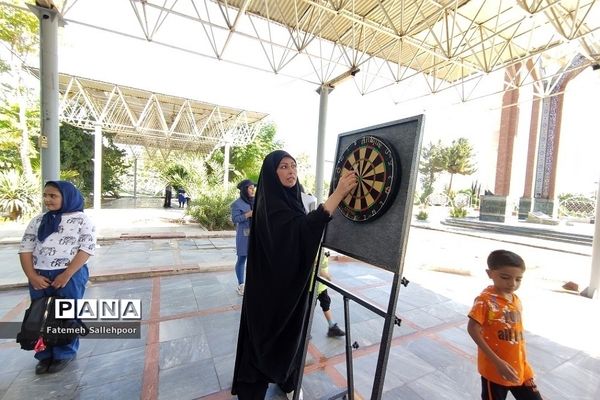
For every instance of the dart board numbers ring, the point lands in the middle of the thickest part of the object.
(378, 169)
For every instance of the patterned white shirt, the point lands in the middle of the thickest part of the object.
(75, 232)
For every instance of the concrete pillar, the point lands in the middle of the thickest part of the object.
(592, 291)
(323, 91)
(498, 208)
(135, 168)
(97, 166)
(226, 166)
(509, 123)
(526, 202)
(532, 147)
(545, 173)
(549, 139)
(50, 136)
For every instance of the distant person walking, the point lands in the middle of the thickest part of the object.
(168, 196)
(241, 215)
(181, 197)
(53, 253)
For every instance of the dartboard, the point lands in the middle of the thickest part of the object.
(378, 170)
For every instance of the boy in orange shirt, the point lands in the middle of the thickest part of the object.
(495, 326)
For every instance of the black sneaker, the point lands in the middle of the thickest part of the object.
(59, 365)
(42, 366)
(335, 331)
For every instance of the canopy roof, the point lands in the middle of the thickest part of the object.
(446, 39)
(154, 120)
(447, 42)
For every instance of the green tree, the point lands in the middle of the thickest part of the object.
(19, 33)
(114, 166)
(459, 159)
(18, 28)
(77, 152)
(19, 195)
(176, 175)
(11, 137)
(187, 170)
(246, 161)
(9, 140)
(306, 173)
(433, 161)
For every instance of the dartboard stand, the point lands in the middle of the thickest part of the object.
(386, 159)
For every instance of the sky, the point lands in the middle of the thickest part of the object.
(293, 105)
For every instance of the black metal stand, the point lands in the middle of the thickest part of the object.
(312, 298)
(390, 320)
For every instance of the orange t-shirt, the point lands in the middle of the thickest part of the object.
(502, 329)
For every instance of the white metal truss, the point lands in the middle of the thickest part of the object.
(152, 120)
(444, 43)
(542, 74)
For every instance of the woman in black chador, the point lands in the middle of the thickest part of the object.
(283, 245)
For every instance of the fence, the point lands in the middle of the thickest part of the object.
(577, 207)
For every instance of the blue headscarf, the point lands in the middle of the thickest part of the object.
(72, 200)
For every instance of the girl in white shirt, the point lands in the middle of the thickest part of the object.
(53, 254)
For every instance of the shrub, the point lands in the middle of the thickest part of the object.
(422, 215)
(458, 212)
(212, 209)
(19, 196)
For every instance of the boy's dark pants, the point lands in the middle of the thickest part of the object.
(493, 391)
(324, 300)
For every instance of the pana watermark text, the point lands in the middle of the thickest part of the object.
(99, 309)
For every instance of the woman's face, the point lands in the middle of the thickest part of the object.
(52, 198)
(250, 189)
(286, 171)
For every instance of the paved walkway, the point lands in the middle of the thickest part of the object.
(190, 320)
(135, 243)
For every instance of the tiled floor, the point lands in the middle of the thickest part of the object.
(137, 256)
(190, 331)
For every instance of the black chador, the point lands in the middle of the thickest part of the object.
(282, 249)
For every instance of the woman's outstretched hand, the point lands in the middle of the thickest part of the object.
(345, 185)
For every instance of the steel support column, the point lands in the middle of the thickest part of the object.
(593, 290)
(226, 166)
(323, 91)
(50, 136)
(135, 162)
(594, 287)
(97, 166)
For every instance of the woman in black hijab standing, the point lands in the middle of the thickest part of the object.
(283, 245)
